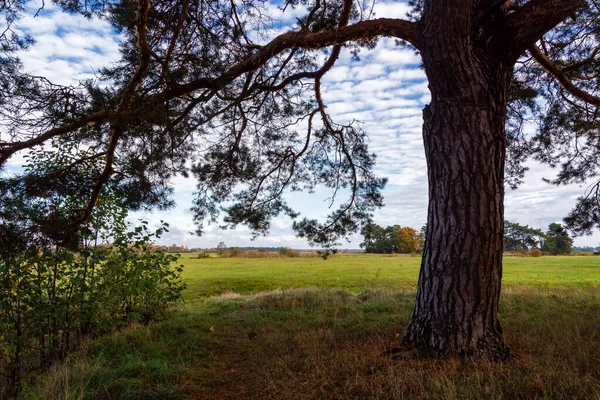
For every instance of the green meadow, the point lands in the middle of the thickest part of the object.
(307, 328)
(357, 272)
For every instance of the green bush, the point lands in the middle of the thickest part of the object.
(235, 252)
(52, 298)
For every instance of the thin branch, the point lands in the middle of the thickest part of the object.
(239, 24)
(288, 155)
(176, 33)
(8, 149)
(37, 13)
(340, 135)
(561, 77)
(582, 63)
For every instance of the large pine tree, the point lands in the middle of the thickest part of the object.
(194, 84)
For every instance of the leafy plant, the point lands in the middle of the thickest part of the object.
(51, 298)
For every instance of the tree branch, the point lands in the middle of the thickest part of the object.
(529, 23)
(126, 97)
(582, 63)
(307, 40)
(8, 149)
(561, 77)
(176, 33)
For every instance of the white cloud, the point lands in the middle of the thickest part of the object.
(342, 107)
(391, 9)
(69, 48)
(287, 14)
(408, 74)
(338, 74)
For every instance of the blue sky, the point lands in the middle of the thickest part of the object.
(385, 90)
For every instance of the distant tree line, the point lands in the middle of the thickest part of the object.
(221, 247)
(175, 248)
(587, 249)
(517, 237)
(392, 239)
(555, 240)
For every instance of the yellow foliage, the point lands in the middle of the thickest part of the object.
(408, 240)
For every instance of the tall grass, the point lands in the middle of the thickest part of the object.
(330, 344)
(284, 252)
(311, 329)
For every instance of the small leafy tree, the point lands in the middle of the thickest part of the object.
(391, 239)
(557, 240)
(407, 240)
(58, 285)
(376, 239)
(50, 298)
(518, 237)
(221, 247)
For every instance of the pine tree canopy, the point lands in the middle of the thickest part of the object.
(204, 88)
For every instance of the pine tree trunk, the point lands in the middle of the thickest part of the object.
(456, 310)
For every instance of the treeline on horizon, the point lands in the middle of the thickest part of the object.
(517, 238)
(555, 240)
(175, 248)
(407, 240)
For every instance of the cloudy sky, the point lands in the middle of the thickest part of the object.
(385, 89)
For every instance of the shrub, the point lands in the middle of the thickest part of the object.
(288, 252)
(260, 254)
(51, 298)
(583, 253)
(203, 254)
(535, 253)
(235, 252)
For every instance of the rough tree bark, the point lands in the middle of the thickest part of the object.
(469, 59)
(456, 310)
(459, 283)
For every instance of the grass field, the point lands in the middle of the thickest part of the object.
(357, 272)
(312, 329)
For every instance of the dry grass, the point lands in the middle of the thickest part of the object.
(328, 344)
(283, 253)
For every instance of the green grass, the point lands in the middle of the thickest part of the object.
(213, 276)
(326, 342)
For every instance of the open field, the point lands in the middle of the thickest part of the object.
(314, 329)
(356, 272)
